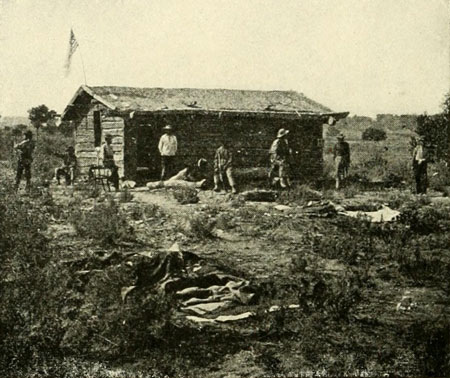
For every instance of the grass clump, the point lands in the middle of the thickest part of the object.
(186, 195)
(198, 226)
(299, 194)
(105, 224)
(145, 212)
(27, 326)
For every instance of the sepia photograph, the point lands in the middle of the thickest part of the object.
(224, 188)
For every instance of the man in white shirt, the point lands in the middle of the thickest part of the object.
(420, 167)
(167, 148)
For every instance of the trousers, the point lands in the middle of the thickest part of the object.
(218, 176)
(23, 168)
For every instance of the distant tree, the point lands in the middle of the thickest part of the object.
(446, 106)
(41, 115)
(435, 129)
(333, 132)
(373, 133)
(18, 130)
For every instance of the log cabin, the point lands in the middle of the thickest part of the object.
(201, 118)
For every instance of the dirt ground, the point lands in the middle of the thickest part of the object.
(270, 246)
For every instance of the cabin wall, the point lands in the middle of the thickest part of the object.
(251, 137)
(85, 149)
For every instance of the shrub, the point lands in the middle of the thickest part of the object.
(373, 133)
(439, 177)
(145, 211)
(299, 194)
(430, 339)
(24, 255)
(426, 219)
(186, 195)
(125, 196)
(333, 132)
(198, 226)
(351, 244)
(49, 147)
(105, 224)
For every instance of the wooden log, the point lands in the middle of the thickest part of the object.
(175, 184)
(112, 125)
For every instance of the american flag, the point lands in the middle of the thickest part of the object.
(73, 44)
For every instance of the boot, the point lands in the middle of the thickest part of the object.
(234, 190)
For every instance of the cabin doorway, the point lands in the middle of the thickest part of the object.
(148, 159)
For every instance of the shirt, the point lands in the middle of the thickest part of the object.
(168, 145)
(223, 158)
(70, 160)
(25, 148)
(280, 148)
(419, 155)
(342, 149)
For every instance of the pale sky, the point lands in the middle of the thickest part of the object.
(362, 56)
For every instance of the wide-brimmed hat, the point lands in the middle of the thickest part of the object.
(167, 127)
(341, 136)
(28, 133)
(108, 136)
(282, 133)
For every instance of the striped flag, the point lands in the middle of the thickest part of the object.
(73, 44)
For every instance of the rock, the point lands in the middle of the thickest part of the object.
(174, 248)
(282, 207)
(125, 291)
(233, 318)
(128, 184)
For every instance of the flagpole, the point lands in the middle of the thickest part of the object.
(82, 63)
(81, 54)
(82, 60)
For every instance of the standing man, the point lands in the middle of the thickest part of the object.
(279, 158)
(420, 166)
(167, 148)
(341, 155)
(223, 165)
(25, 150)
(108, 161)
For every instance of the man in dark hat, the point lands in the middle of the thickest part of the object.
(25, 151)
(108, 161)
(167, 148)
(279, 158)
(69, 167)
(341, 155)
(420, 167)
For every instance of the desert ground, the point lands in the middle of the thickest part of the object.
(192, 283)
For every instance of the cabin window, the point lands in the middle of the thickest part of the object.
(97, 129)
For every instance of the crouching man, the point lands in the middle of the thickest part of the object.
(69, 167)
